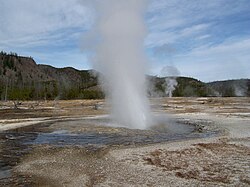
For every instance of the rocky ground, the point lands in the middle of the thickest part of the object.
(221, 160)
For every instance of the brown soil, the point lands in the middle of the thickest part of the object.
(213, 162)
(218, 161)
(35, 109)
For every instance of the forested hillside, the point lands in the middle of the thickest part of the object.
(22, 79)
(229, 88)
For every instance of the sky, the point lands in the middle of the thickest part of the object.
(207, 40)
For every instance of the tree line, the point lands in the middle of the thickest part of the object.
(14, 84)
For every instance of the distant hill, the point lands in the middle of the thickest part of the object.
(229, 88)
(187, 87)
(21, 78)
(190, 87)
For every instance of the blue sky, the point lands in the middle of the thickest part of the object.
(208, 40)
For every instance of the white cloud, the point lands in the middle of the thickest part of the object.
(183, 17)
(163, 23)
(211, 38)
(226, 60)
(193, 29)
(203, 37)
(228, 48)
(29, 21)
(48, 30)
(159, 38)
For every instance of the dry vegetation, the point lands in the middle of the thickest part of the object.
(212, 162)
(36, 109)
(218, 161)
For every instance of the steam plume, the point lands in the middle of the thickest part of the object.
(170, 72)
(120, 58)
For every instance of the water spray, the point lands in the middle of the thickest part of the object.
(121, 60)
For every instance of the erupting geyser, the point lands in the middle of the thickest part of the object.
(120, 58)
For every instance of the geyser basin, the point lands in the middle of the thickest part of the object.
(101, 130)
(89, 133)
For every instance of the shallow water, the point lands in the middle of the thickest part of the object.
(87, 132)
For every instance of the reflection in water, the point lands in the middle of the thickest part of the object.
(13, 147)
(16, 143)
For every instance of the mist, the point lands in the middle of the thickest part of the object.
(118, 38)
(170, 73)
